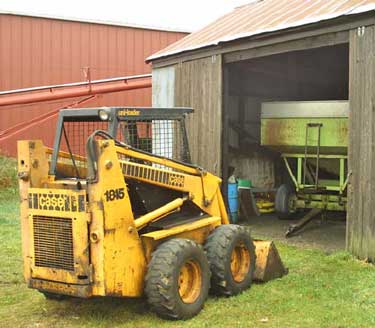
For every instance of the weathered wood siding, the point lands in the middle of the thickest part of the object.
(361, 211)
(198, 84)
(163, 81)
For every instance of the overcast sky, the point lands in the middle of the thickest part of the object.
(186, 15)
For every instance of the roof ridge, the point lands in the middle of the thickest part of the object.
(93, 21)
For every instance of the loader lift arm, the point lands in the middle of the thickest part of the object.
(185, 177)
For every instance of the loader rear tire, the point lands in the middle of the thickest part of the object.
(231, 255)
(178, 279)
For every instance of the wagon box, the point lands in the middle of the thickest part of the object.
(312, 138)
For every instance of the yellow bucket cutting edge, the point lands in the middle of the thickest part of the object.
(268, 264)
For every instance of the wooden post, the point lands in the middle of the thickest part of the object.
(225, 133)
(361, 189)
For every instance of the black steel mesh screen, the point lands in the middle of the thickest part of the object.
(76, 138)
(160, 137)
(156, 136)
(77, 134)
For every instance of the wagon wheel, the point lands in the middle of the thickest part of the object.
(284, 202)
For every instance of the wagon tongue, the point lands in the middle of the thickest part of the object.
(268, 262)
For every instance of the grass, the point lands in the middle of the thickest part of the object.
(320, 291)
(8, 172)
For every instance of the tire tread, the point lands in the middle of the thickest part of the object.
(159, 278)
(216, 247)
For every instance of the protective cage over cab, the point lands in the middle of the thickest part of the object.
(160, 131)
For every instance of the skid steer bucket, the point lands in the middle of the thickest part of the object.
(268, 262)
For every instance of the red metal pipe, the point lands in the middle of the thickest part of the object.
(75, 91)
(20, 127)
(74, 84)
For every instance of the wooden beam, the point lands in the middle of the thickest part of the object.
(295, 45)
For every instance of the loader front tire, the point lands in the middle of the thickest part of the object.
(231, 255)
(178, 279)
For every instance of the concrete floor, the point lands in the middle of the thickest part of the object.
(328, 234)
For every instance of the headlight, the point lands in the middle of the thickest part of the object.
(104, 114)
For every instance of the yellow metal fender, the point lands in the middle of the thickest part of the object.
(268, 264)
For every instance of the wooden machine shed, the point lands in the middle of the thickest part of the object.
(278, 50)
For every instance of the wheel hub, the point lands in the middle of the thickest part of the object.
(190, 281)
(240, 262)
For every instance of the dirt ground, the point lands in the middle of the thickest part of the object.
(327, 234)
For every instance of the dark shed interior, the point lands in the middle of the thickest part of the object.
(313, 74)
(309, 75)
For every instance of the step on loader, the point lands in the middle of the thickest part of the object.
(117, 209)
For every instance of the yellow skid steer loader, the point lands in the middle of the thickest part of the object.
(116, 209)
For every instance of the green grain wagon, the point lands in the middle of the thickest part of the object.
(312, 138)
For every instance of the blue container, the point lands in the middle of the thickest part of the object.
(233, 201)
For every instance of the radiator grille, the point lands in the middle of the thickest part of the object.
(53, 242)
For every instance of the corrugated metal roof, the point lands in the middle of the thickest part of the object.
(265, 16)
(94, 21)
